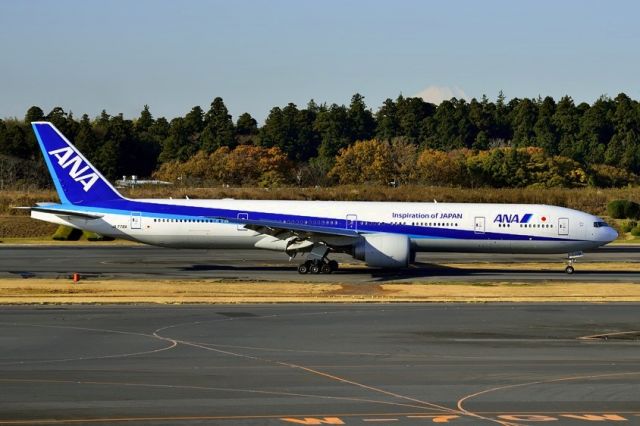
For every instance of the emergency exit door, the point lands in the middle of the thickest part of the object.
(352, 222)
(242, 216)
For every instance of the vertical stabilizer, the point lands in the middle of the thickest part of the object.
(76, 180)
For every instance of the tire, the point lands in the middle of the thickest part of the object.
(303, 268)
(314, 269)
(569, 269)
(326, 268)
(333, 265)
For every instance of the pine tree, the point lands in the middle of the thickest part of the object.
(34, 114)
(361, 119)
(218, 128)
(144, 123)
(246, 125)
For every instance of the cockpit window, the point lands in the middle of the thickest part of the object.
(599, 224)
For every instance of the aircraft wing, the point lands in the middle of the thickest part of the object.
(285, 230)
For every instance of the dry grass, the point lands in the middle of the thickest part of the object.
(37, 291)
(588, 199)
(24, 227)
(27, 198)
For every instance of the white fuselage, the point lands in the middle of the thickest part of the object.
(461, 227)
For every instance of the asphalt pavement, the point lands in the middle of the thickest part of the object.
(138, 262)
(320, 364)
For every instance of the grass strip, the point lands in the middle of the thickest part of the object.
(63, 291)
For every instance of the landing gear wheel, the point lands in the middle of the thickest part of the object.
(326, 268)
(333, 265)
(314, 268)
(571, 259)
(303, 268)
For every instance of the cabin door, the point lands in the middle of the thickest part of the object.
(136, 220)
(563, 226)
(478, 226)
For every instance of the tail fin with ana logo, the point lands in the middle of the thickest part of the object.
(76, 180)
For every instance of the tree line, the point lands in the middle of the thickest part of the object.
(515, 143)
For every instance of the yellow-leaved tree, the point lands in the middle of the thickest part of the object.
(375, 161)
(243, 165)
(443, 168)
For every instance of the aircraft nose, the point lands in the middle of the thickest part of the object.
(610, 234)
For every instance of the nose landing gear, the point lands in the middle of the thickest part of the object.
(571, 259)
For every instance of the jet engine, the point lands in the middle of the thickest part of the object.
(384, 250)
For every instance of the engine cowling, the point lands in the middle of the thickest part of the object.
(384, 250)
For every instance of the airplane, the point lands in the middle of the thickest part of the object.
(382, 234)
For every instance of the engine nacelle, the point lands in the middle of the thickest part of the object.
(384, 250)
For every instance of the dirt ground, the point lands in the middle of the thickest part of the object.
(60, 291)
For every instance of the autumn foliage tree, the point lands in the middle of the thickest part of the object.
(243, 165)
(375, 161)
(515, 143)
(501, 168)
(443, 168)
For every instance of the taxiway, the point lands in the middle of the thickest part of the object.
(137, 262)
(320, 364)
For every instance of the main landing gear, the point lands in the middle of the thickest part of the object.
(571, 259)
(322, 266)
(317, 262)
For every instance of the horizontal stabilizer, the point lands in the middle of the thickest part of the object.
(67, 213)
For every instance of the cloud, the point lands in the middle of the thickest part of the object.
(437, 94)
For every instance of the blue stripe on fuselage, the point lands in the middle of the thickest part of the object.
(157, 210)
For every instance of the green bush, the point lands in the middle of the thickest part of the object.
(615, 209)
(92, 236)
(629, 225)
(623, 209)
(66, 233)
(636, 231)
(632, 210)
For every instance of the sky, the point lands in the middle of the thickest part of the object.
(118, 55)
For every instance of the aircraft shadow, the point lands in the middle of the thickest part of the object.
(199, 268)
(417, 271)
(617, 249)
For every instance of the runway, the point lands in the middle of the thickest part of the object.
(145, 262)
(320, 364)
